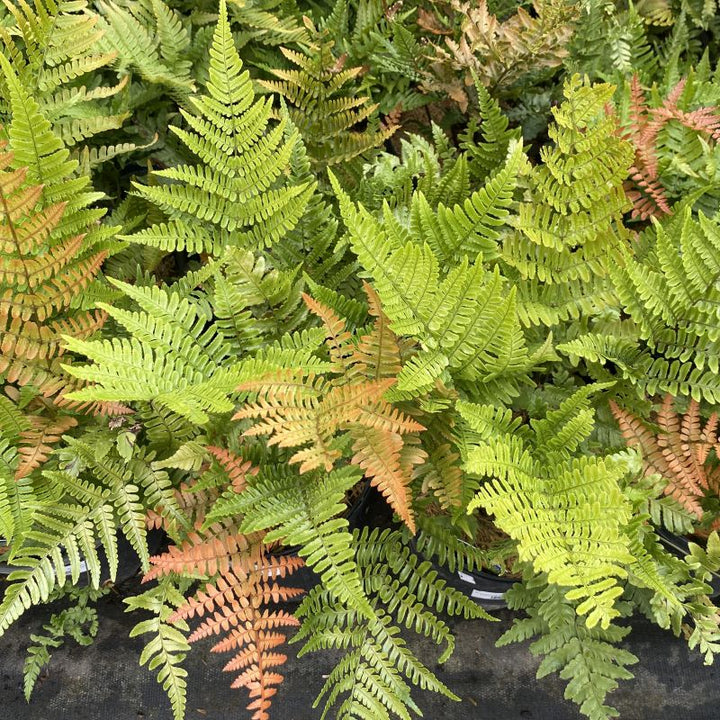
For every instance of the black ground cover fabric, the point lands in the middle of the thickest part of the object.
(105, 680)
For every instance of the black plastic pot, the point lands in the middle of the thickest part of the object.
(486, 588)
(128, 562)
(483, 587)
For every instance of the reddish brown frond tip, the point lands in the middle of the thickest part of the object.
(36, 442)
(237, 468)
(677, 453)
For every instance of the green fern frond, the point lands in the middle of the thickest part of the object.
(62, 534)
(155, 53)
(117, 480)
(567, 234)
(377, 666)
(535, 486)
(325, 111)
(487, 154)
(57, 50)
(17, 496)
(181, 360)
(590, 658)
(470, 228)
(237, 189)
(79, 621)
(166, 649)
(670, 296)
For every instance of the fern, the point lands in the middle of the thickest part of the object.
(57, 50)
(235, 196)
(312, 246)
(654, 133)
(588, 657)
(296, 409)
(567, 234)
(241, 582)
(53, 247)
(268, 344)
(71, 528)
(151, 39)
(534, 475)
(488, 154)
(168, 646)
(302, 510)
(326, 113)
(611, 42)
(466, 321)
(173, 347)
(669, 296)
(678, 453)
(500, 53)
(79, 621)
(430, 168)
(16, 493)
(377, 667)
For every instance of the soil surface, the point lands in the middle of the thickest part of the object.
(104, 681)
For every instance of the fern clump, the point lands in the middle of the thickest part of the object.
(670, 344)
(271, 271)
(235, 196)
(172, 345)
(325, 111)
(534, 475)
(567, 234)
(240, 587)
(464, 320)
(58, 51)
(500, 53)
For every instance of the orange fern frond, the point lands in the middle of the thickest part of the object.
(235, 606)
(36, 442)
(293, 419)
(379, 454)
(338, 338)
(678, 453)
(103, 407)
(240, 619)
(499, 52)
(155, 521)
(232, 588)
(237, 468)
(324, 417)
(220, 550)
(195, 503)
(644, 187)
(647, 195)
(81, 325)
(245, 658)
(383, 416)
(52, 295)
(28, 341)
